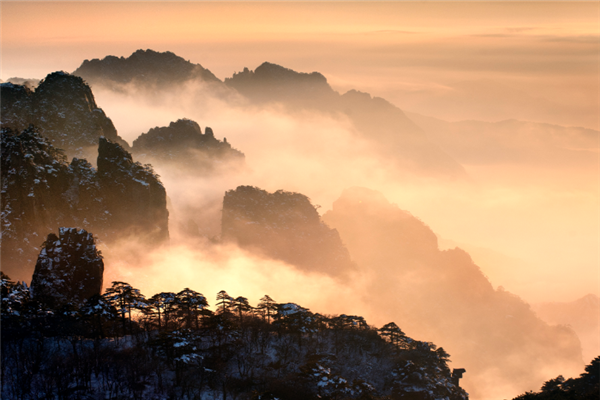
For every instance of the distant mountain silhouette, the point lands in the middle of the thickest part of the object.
(272, 82)
(390, 133)
(182, 143)
(513, 141)
(583, 315)
(444, 296)
(145, 67)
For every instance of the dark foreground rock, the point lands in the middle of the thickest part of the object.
(69, 269)
(42, 191)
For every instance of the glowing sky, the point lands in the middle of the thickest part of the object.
(540, 57)
(487, 61)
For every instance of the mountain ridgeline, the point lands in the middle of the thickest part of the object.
(145, 67)
(444, 294)
(63, 109)
(389, 132)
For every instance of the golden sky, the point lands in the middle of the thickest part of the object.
(411, 53)
(532, 61)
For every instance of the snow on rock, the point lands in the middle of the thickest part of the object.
(63, 109)
(42, 191)
(69, 269)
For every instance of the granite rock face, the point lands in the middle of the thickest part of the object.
(136, 198)
(183, 144)
(63, 109)
(41, 191)
(285, 226)
(69, 269)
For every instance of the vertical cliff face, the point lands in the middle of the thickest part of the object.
(284, 226)
(35, 179)
(136, 198)
(69, 269)
(41, 191)
(63, 109)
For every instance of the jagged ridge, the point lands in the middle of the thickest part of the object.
(183, 143)
(63, 109)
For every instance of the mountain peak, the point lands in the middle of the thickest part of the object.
(147, 67)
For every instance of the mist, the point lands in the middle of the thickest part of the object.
(489, 213)
(318, 155)
(522, 196)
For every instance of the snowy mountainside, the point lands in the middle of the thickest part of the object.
(63, 109)
(171, 345)
(41, 191)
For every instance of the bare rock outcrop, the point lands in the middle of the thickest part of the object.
(69, 269)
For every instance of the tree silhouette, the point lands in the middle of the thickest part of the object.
(267, 306)
(125, 298)
(393, 333)
(161, 305)
(224, 302)
(190, 304)
(241, 305)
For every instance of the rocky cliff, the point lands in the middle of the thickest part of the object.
(69, 269)
(63, 109)
(285, 226)
(182, 143)
(41, 191)
(136, 198)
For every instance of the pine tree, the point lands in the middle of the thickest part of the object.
(125, 298)
(241, 305)
(190, 304)
(393, 333)
(162, 305)
(223, 302)
(268, 306)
